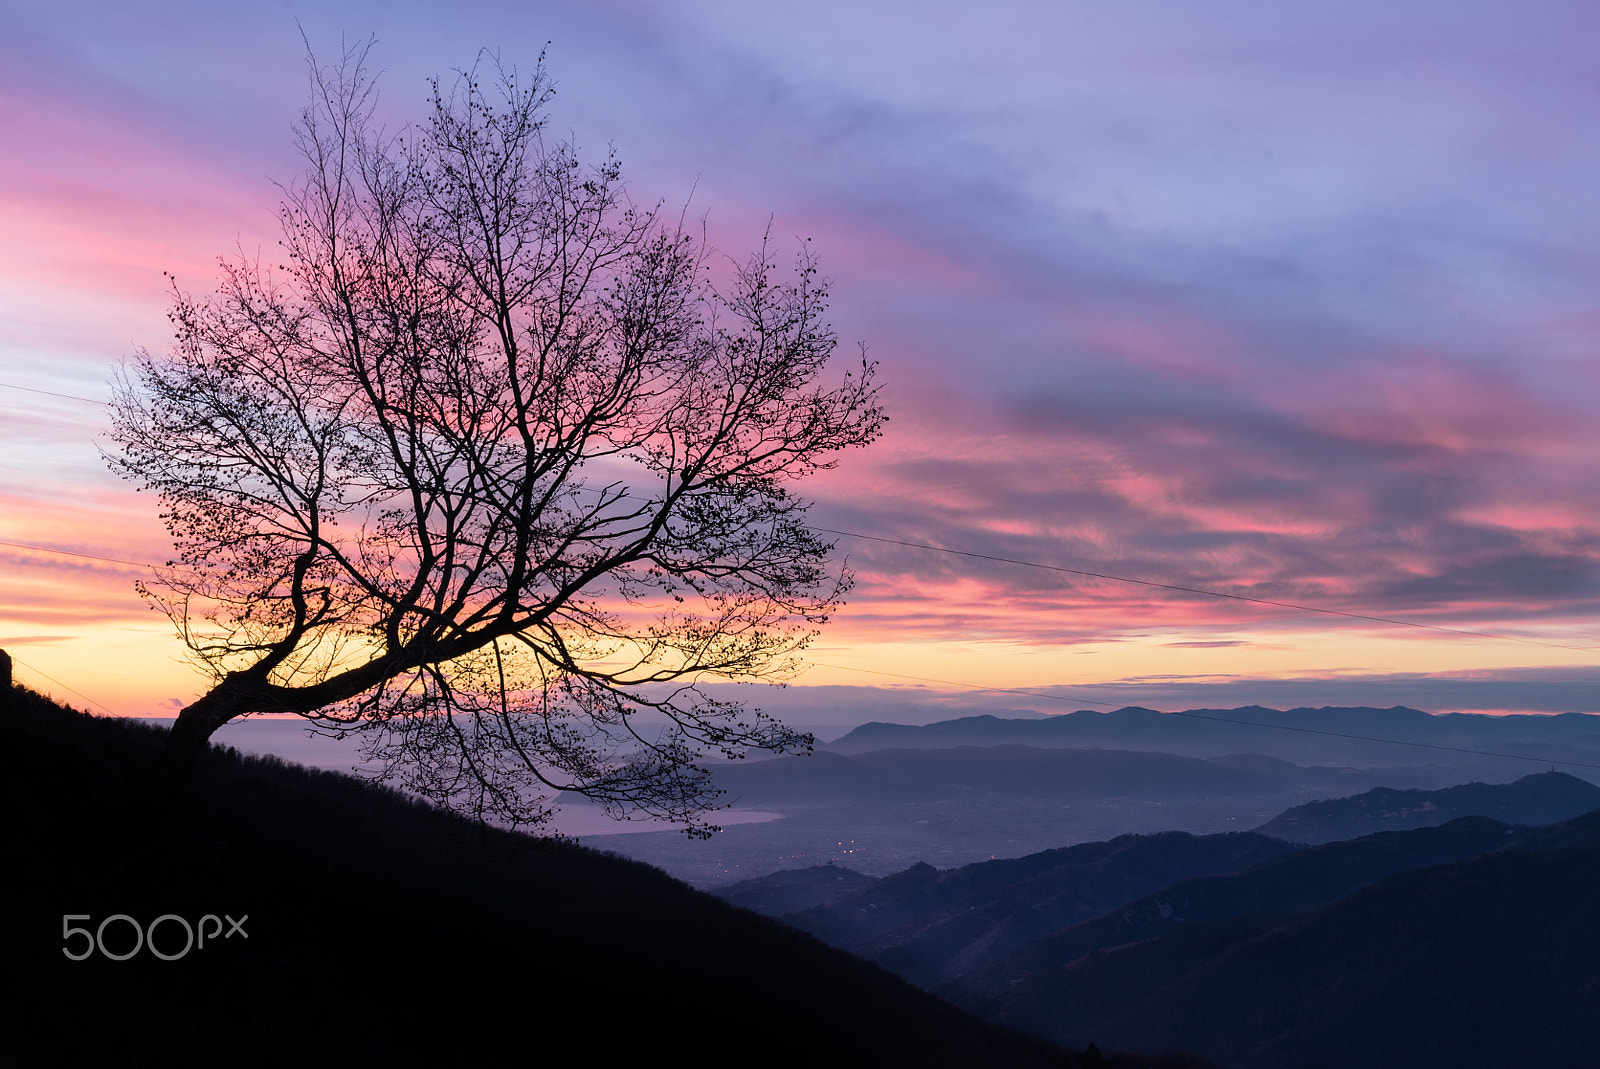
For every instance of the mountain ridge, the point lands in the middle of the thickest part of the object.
(1540, 798)
(1492, 961)
(1303, 731)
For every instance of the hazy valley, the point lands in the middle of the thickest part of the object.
(974, 788)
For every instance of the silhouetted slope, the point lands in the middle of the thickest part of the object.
(932, 927)
(1581, 830)
(793, 890)
(1295, 883)
(967, 771)
(1543, 798)
(933, 919)
(1492, 962)
(381, 932)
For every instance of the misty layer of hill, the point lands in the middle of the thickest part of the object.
(1544, 798)
(1487, 962)
(932, 927)
(1295, 883)
(978, 803)
(918, 775)
(1079, 945)
(979, 910)
(382, 932)
(793, 890)
(1014, 917)
(1306, 736)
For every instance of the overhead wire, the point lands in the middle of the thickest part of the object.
(72, 553)
(53, 393)
(17, 660)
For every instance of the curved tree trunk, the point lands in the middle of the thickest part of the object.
(190, 735)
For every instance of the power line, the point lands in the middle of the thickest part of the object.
(1216, 719)
(17, 660)
(52, 393)
(70, 553)
(1208, 593)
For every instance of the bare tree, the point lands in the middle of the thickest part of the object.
(492, 468)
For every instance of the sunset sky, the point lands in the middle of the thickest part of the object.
(1296, 302)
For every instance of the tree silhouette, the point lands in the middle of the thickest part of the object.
(493, 468)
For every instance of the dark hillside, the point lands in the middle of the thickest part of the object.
(987, 908)
(1492, 963)
(793, 890)
(1579, 831)
(1543, 798)
(1295, 883)
(992, 921)
(381, 932)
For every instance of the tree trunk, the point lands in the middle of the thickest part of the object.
(190, 735)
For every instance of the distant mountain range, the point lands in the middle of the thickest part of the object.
(1052, 888)
(968, 773)
(930, 925)
(1293, 883)
(1484, 963)
(1258, 953)
(1543, 798)
(793, 890)
(882, 811)
(1302, 735)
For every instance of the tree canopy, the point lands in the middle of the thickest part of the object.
(494, 466)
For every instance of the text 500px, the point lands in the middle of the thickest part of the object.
(124, 930)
